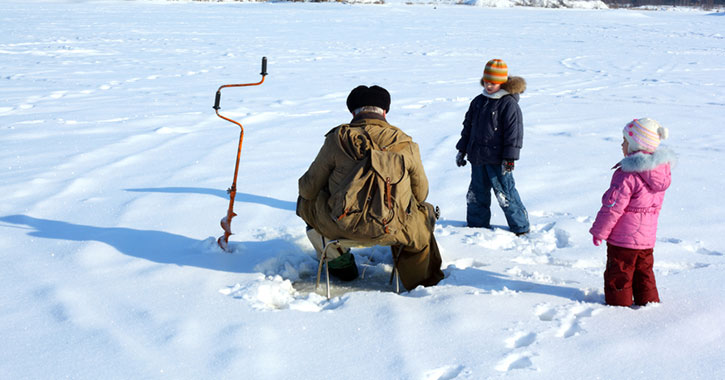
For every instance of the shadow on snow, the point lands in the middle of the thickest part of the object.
(159, 246)
(496, 282)
(240, 197)
(168, 248)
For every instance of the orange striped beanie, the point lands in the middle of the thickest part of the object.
(496, 72)
(644, 134)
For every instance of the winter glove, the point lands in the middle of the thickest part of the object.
(461, 159)
(597, 241)
(507, 166)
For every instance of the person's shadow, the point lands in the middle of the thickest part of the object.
(492, 281)
(159, 246)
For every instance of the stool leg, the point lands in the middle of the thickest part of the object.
(323, 259)
(319, 270)
(327, 278)
(395, 274)
(392, 275)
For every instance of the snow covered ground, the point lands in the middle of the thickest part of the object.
(114, 170)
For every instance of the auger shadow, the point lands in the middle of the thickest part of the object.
(240, 197)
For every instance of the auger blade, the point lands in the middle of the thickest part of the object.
(226, 224)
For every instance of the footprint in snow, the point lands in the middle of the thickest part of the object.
(448, 372)
(515, 361)
(695, 247)
(58, 94)
(667, 268)
(563, 238)
(521, 339)
(545, 313)
(518, 359)
(571, 322)
(705, 251)
(569, 318)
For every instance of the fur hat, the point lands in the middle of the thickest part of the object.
(496, 71)
(362, 96)
(644, 134)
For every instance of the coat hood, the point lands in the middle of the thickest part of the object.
(654, 169)
(513, 86)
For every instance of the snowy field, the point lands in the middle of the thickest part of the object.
(114, 170)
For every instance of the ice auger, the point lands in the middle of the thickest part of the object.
(226, 221)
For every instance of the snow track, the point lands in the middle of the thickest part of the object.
(115, 165)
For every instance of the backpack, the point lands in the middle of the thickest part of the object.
(375, 198)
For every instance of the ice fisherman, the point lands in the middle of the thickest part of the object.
(492, 137)
(627, 219)
(419, 262)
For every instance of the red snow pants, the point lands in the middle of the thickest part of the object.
(629, 274)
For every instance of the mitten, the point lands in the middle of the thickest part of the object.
(597, 241)
(461, 159)
(507, 166)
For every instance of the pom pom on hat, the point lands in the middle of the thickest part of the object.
(644, 134)
(496, 71)
(362, 96)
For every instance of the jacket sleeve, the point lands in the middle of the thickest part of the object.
(462, 144)
(316, 177)
(614, 201)
(418, 179)
(513, 128)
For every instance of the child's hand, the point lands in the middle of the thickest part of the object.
(597, 241)
(461, 159)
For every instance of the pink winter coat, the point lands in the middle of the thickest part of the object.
(628, 217)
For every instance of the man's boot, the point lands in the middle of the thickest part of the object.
(340, 262)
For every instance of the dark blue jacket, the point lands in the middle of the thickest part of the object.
(493, 129)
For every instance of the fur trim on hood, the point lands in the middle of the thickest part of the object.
(642, 162)
(513, 86)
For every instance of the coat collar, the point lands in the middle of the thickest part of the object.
(644, 161)
(496, 95)
(367, 115)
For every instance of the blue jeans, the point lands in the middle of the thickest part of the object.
(484, 178)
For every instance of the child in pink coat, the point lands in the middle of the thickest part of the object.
(627, 219)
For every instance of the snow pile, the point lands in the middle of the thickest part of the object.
(273, 293)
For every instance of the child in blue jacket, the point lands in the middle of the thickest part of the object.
(492, 137)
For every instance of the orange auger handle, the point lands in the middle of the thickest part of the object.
(226, 221)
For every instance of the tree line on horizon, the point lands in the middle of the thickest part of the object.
(705, 4)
